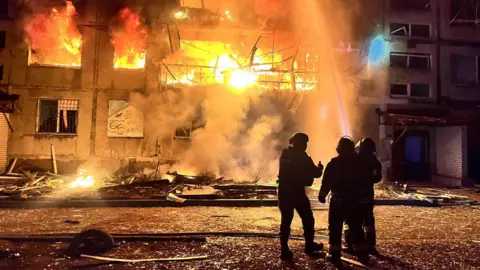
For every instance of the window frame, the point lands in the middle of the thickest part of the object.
(409, 30)
(409, 91)
(409, 56)
(58, 122)
(477, 75)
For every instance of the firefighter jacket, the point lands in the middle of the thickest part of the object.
(296, 171)
(341, 178)
(370, 174)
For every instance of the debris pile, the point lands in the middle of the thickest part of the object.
(126, 182)
(434, 196)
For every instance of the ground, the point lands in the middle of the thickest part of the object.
(408, 237)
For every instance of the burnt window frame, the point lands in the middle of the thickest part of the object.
(408, 57)
(57, 118)
(408, 30)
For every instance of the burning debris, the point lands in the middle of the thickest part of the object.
(213, 62)
(53, 37)
(129, 38)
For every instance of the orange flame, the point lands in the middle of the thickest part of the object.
(218, 63)
(54, 38)
(130, 42)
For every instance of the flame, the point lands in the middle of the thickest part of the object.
(130, 42)
(83, 181)
(54, 38)
(218, 63)
(180, 15)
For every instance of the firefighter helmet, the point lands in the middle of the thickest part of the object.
(367, 145)
(345, 145)
(299, 138)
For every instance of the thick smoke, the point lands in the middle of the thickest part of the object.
(235, 135)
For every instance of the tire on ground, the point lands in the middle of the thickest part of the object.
(90, 242)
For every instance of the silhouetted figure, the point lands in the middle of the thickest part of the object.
(370, 174)
(297, 171)
(341, 179)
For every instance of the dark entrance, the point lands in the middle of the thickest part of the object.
(473, 142)
(410, 156)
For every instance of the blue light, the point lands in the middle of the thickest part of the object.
(378, 51)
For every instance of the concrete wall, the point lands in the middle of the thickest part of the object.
(24, 142)
(451, 143)
(46, 82)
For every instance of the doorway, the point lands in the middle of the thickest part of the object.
(410, 155)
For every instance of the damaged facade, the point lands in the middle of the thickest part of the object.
(78, 95)
(429, 118)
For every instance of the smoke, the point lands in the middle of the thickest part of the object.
(333, 111)
(236, 135)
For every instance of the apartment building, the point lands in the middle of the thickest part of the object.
(76, 96)
(429, 119)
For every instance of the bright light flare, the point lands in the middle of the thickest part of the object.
(83, 181)
(240, 79)
(129, 41)
(54, 38)
(180, 15)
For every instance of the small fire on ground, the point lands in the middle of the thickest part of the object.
(83, 181)
(54, 38)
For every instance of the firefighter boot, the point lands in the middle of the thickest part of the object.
(336, 258)
(312, 248)
(286, 253)
(363, 258)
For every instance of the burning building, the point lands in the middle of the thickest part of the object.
(200, 86)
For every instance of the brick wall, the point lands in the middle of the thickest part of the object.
(451, 155)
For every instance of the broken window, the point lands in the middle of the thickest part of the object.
(464, 11)
(420, 30)
(409, 30)
(410, 5)
(183, 133)
(399, 29)
(420, 90)
(399, 89)
(3, 39)
(57, 116)
(414, 60)
(464, 70)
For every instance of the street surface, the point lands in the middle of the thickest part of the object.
(408, 237)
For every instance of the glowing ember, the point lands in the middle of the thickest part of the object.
(129, 41)
(83, 181)
(54, 38)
